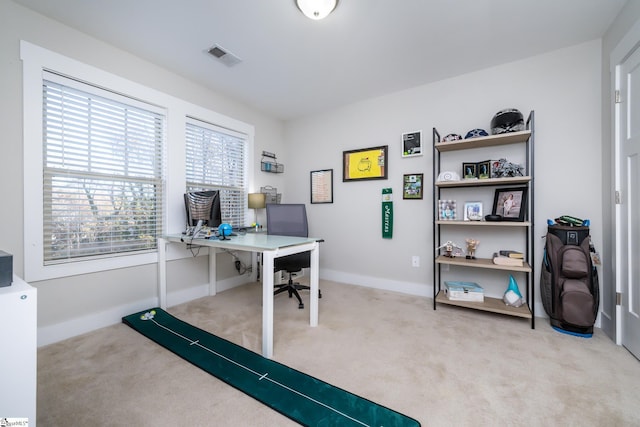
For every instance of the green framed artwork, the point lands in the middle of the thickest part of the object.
(412, 186)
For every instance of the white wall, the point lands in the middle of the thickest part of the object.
(563, 87)
(80, 303)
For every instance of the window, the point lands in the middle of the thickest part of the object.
(215, 160)
(102, 172)
(111, 174)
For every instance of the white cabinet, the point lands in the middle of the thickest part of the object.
(18, 344)
(520, 142)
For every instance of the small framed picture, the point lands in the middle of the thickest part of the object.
(412, 186)
(473, 211)
(322, 186)
(412, 144)
(447, 210)
(484, 169)
(511, 203)
(469, 170)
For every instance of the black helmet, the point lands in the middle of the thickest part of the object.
(509, 120)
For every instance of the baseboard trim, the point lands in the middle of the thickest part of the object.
(81, 325)
(410, 288)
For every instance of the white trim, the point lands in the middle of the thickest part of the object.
(625, 47)
(36, 59)
(82, 325)
(409, 288)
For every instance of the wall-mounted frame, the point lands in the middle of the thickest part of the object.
(473, 211)
(412, 186)
(366, 163)
(511, 203)
(322, 186)
(412, 144)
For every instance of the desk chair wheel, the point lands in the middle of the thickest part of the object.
(301, 305)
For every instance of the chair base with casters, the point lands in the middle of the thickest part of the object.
(292, 288)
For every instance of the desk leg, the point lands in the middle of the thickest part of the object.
(267, 304)
(314, 285)
(213, 259)
(162, 273)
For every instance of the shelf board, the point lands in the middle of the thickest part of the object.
(482, 182)
(481, 263)
(484, 141)
(485, 223)
(493, 305)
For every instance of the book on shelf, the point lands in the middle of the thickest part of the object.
(508, 261)
(463, 291)
(511, 254)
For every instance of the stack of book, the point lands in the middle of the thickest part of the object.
(508, 258)
(463, 291)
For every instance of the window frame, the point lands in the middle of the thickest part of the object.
(35, 59)
(65, 92)
(191, 185)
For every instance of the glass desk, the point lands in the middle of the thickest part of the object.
(271, 247)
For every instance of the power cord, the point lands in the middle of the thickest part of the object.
(241, 267)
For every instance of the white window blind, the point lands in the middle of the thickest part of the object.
(216, 160)
(102, 172)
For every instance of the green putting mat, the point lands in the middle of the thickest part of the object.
(302, 398)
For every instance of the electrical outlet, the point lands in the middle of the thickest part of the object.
(415, 261)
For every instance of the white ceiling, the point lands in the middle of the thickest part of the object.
(292, 66)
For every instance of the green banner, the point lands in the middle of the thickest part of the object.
(387, 213)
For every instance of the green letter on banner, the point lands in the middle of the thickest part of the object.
(387, 213)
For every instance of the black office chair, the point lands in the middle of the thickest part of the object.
(289, 220)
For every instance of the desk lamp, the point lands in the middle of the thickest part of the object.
(257, 201)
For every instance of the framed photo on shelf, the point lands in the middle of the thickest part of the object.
(322, 186)
(511, 203)
(412, 144)
(412, 186)
(366, 163)
(469, 171)
(473, 211)
(484, 169)
(446, 210)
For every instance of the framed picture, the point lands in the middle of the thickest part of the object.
(322, 186)
(366, 163)
(446, 210)
(412, 144)
(469, 170)
(484, 169)
(473, 211)
(412, 186)
(511, 203)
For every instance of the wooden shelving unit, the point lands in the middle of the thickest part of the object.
(440, 227)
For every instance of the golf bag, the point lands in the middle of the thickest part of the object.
(569, 285)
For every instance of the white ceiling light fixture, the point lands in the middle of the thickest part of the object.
(316, 9)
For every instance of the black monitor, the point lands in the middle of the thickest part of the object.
(203, 205)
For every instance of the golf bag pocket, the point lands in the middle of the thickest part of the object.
(577, 303)
(575, 264)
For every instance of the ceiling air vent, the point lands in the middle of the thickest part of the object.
(226, 57)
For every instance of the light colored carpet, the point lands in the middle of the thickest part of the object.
(449, 367)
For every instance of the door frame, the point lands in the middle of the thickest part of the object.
(623, 50)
